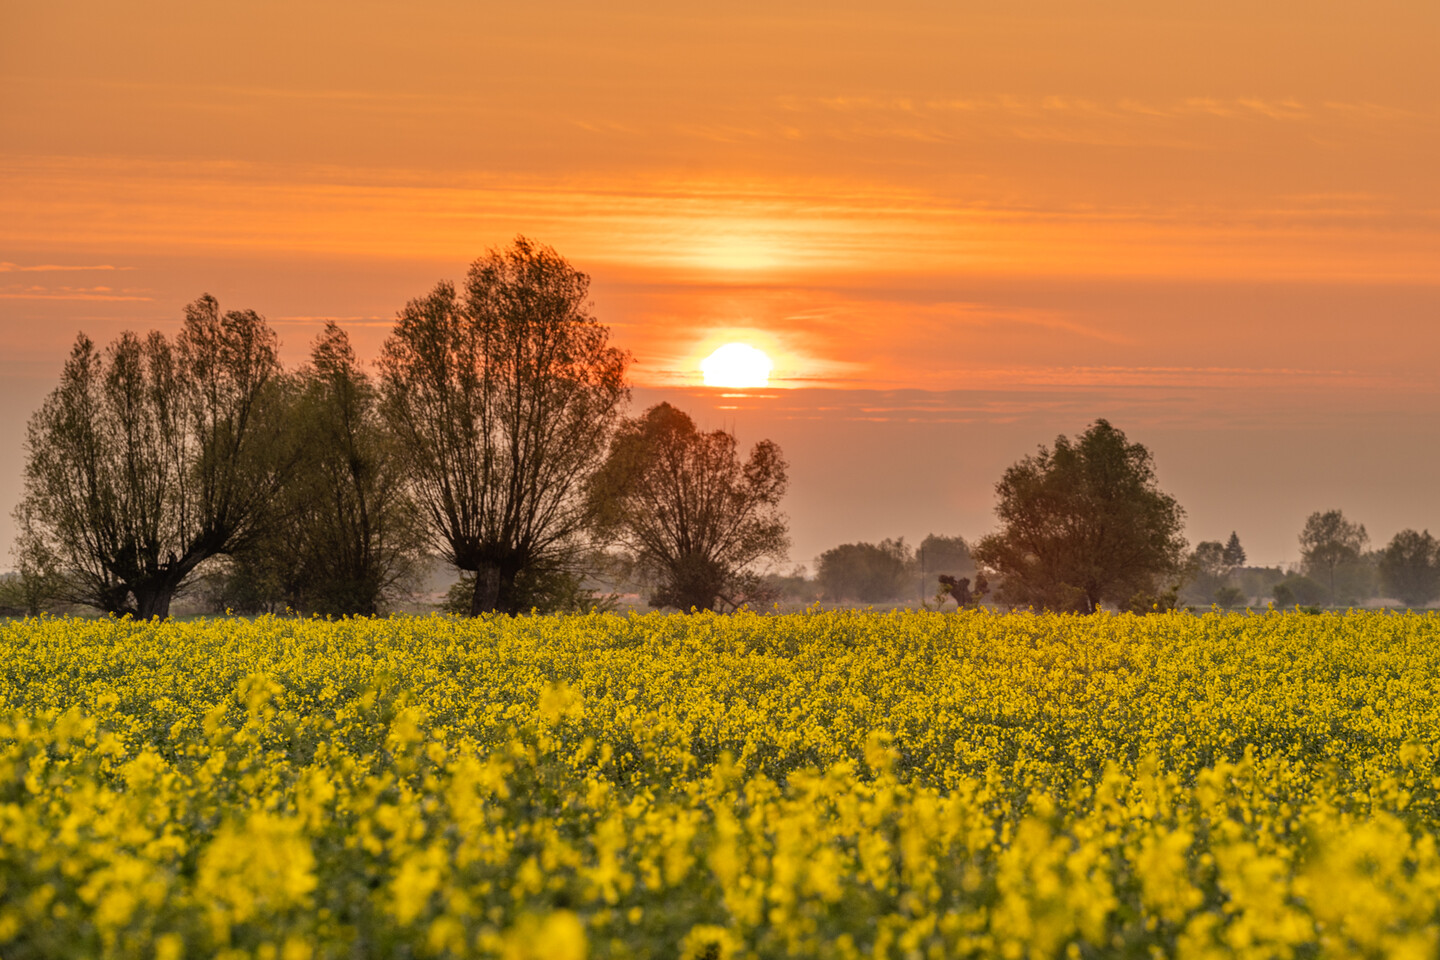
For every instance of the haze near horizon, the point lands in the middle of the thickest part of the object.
(955, 231)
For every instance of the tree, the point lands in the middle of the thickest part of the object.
(688, 511)
(1410, 568)
(1234, 554)
(345, 539)
(1085, 524)
(546, 588)
(867, 572)
(152, 457)
(1208, 569)
(502, 400)
(959, 590)
(1211, 565)
(1329, 541)
(37, 585)
(795, 587)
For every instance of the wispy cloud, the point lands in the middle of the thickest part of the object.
(105, 294)
(7, 267)
(721, 227)
(1127, 109)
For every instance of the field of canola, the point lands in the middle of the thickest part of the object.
(814, 785)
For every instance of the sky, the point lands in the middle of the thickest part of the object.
(958, 229)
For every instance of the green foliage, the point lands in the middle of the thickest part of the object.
(1229, 597)
(38, 584)
(1207, 571)
(940, 555)
(545, 589)
(1234, 555)
(793, 587)
(1211, 573)
(1143, 601)
(966, 595)
(1257, 581)
(1085, 524)
(345, 534)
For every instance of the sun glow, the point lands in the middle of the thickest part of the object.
(738, 366)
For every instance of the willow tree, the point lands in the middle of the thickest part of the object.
(503, 396)
(151, 457)
(688, 510)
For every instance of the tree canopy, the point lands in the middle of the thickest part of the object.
(502, 397)
(1084, 524)
(152, 456)
(1234, 554)
(689, 512)
(345, 536)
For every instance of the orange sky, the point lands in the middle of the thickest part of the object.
(1219, 226)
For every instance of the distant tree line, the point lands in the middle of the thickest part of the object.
(494, 436)
(1084, 524)
(1335, 569)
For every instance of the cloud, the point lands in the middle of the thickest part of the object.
(7, 267)
(1277, 109)
(104, 294)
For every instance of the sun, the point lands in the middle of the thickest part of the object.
(738, 366)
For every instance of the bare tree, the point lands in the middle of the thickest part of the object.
(151, 457)
(503, 400)
(689, 512)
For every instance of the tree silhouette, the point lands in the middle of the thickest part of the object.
(346, 537)
(1234, 554)
(151, 457)
(867, 572)
(503, 398)
(688, 510)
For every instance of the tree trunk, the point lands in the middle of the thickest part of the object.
(153, 595)
(153, 601)
(487, 590)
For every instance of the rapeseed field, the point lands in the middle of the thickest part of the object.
(815, 785)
